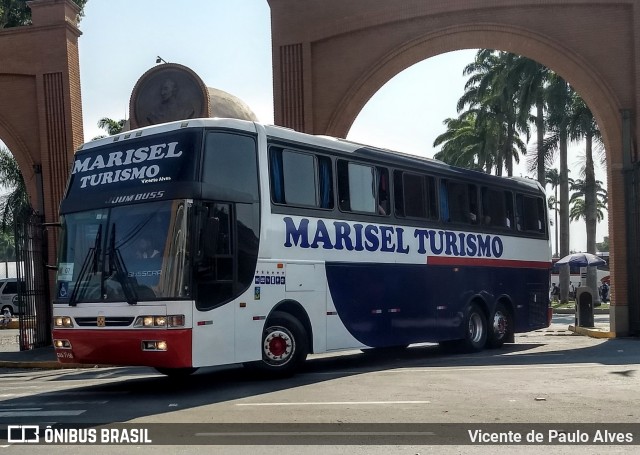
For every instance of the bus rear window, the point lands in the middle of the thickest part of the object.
(530, 216)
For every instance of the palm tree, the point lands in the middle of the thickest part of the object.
(462, 144)
(558, 99)
(579, 188)
(553, 179)
(582, 125)
(490, 93)
(559, 96)
(579, 209)
(16, 200)
(110, 126)
(533, 79)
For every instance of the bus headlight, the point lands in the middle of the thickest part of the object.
(171, 321)
(154, 345)
(62, 322)
(62, 344)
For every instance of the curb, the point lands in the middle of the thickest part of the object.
(14, 324)
(592, 332)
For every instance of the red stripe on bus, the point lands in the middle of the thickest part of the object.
(487, 262)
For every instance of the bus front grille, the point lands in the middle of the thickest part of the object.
(111, 321)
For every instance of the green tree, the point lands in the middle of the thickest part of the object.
(490, 95)
(582, 125)
(465, 145)
(16, 200)
(531, 93)
(7, 247)
(558, 98)
(553, 179)
(14, 13)
(110, 126)
(604, 245)
(579, 188)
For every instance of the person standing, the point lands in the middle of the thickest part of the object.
(5, 319)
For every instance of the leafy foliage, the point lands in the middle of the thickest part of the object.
(14, 13)
(16, 201)
(110, 126)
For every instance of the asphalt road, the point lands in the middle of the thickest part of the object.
(548, 380)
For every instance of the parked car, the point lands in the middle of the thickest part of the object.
(9, 295)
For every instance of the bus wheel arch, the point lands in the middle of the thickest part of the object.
(501, 325)
(296, 310)
(284, 343)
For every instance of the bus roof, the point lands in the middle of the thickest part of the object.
(363, 151)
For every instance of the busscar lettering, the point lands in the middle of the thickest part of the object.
(340, 235)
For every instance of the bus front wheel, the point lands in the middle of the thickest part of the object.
(284, 345)
(475, 329)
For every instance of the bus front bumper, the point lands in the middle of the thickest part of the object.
(132, 347)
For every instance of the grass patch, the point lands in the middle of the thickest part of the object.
(571, 305)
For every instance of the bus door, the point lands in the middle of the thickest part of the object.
(223, 271)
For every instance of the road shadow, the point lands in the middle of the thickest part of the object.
(134, 393)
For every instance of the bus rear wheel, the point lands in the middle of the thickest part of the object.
(501, 327)
(284, 345)
(475, 329)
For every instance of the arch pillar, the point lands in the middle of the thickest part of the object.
(40, 102)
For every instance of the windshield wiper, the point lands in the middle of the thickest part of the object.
(118, 270)
(90, 262)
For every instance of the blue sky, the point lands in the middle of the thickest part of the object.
(228, 44)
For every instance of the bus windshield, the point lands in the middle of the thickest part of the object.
(126, 253)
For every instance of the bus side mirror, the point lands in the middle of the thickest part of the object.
(210, 236)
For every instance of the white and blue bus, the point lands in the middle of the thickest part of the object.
(218, 241)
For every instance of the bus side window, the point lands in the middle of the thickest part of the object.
(356, 188)
(541, 215)
(509, 210)
(384, 198)
(398, 193)
(495, 208)
(418, 196)
(462, 202)
(325, 178)
(530, 213)
(300, 179)
(300, 183)
(444, 202)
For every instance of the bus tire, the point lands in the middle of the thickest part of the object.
(475, 329)
(500, 328)
(284, 345)
(176, 373)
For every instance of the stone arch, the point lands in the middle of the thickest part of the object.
(20, 152)
(330, 57)
(592, 87)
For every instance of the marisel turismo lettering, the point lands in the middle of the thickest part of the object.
(120, 164)
(338, 235)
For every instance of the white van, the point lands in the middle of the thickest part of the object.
(9, 295)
